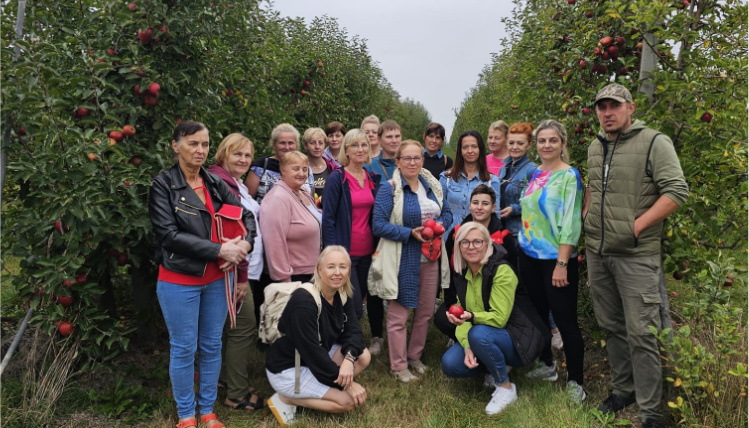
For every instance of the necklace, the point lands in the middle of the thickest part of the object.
(360, 176)
(318, 168)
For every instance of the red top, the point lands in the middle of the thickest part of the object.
(212, 271)
(362, 203)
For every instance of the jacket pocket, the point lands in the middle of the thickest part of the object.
(180, 210)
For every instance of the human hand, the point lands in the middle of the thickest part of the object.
(345, 374)
(455, 320)
(470, 360)
(559, 277)
(505, 212)
(416, 233)
(232, 251)
(241, 291)
(358, 393)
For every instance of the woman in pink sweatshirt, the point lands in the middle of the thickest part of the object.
(290, 223)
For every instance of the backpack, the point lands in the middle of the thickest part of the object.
(277, 295)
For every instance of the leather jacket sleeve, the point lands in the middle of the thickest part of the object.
(170, 236)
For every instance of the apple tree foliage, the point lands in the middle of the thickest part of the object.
(552, 65)
(75, 202)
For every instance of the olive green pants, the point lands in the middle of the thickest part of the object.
(235, 367)
(627, 301)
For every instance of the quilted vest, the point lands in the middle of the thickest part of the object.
(626, 194)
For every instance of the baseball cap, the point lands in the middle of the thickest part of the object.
(616, 92)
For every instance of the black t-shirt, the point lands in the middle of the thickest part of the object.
(320, 180)
(436, 164)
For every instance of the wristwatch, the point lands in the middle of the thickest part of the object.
(349, 356)
(562, 263)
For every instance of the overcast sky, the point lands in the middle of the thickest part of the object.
(430, 51)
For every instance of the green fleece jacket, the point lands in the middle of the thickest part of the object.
(626, 176)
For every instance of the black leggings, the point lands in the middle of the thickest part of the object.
(536, 276)
(375, 311)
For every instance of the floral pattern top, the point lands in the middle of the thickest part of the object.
(552, 212)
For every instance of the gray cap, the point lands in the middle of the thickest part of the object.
(616, 92)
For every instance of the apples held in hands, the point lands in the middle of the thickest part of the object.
(427, 233)
(430, 224)
(456, 311)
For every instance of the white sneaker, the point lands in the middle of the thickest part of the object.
(417, 366)
(501, 398)
(542, 371)
(556, 341)
(575, 392)
(283, 412)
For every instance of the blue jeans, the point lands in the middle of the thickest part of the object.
(492, 347)
(195, 316)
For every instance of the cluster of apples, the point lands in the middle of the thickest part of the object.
(432, 230)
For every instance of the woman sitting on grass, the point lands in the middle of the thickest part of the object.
(331, 345)
(499, 327)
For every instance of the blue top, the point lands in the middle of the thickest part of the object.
(459, 196)
(513, 178)
(383, 167)
(336, 208)
(410, 264)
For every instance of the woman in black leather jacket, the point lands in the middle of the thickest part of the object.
(192, 259)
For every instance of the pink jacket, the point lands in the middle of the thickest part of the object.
(291, 234)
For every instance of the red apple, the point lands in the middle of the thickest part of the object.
(303, 92)
(135, 160)
(150, 100)
(65, 301)
(132, 6)
(586, 110)
(430, 223)
(620, 40)
(81, 112)
(145, 36)
(427, 233)
(91, 156)
(81, 278)
(153, 89)
(60, 227)
(706, 117)
(116, 136)
(613, 51)
(580, 258)
(136, 90)
(570, 1)
(319, 63)
(729, 281)
(307, 83)
(606, 41)
(65, 328)
(597, 51)
(21, 132)
(111, 51)
(583, 65)
(439, 229)
(456, 311)
(128, 130)
(639, 46)
(68, 283)
(589, 14)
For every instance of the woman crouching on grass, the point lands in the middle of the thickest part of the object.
(331, 345)
(499, 327)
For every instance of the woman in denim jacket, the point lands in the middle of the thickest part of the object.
(469, 171)
(514, 175)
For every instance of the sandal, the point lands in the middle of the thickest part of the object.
(204, 419)
(188, 423)
(246, 403)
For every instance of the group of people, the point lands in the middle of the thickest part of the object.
(381, 226)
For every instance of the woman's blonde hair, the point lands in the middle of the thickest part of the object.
(405, 144)
(311, 133)
(230, 144)
(293, 157)
(458, 260)
(350, 138)
(348, 288)
(500, 126)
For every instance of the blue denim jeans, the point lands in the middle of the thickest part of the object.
(195, 316)
(492, 347)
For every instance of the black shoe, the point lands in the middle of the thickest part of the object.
(616, 402)
(652, 423)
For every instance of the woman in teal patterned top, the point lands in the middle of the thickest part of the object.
(552, 220)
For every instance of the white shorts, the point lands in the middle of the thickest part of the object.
(309, 386)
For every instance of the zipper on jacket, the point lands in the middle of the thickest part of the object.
(604, 184)
(188, 205)
(184, 211)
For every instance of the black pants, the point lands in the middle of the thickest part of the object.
(536, 276)
(442, 323)
(375, 311)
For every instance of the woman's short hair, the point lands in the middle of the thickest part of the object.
(347, 288)
(435, 128)
(370, 119)
(187, 128)
(405, 144)
(230, 144)
(334, 127)
(312, 133)
(522, 128)
(284, 127)
(388, 125)
(458, 260)
(559, 129)
(290, 157)
(500, 126)
(350, 138)
(483, 189)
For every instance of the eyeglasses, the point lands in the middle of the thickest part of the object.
(363, 146)
(415, 159)
(476, 243)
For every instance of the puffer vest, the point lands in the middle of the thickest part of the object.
(623, 195)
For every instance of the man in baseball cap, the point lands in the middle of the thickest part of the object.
(635, 182)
